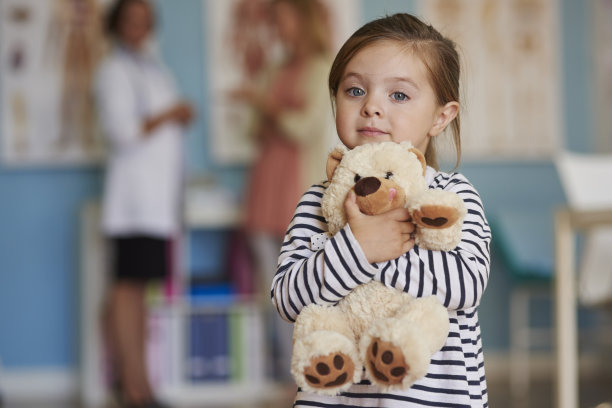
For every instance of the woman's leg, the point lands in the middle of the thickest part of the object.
(265, 249)
(127, 324)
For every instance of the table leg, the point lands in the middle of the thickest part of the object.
(566, 313)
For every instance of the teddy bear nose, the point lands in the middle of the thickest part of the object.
(366, 186)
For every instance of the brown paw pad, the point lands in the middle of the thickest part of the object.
(435, 216)
(329, 371)
(386, 362)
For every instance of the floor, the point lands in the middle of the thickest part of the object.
(594, 393)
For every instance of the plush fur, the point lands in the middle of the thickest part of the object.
(390, 333)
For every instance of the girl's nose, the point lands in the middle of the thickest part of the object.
(371, 107)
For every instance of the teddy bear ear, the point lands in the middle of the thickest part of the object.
(421, 158)
(333, 160)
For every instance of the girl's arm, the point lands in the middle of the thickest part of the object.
(309, 272)
(305, 275)
(458, 277)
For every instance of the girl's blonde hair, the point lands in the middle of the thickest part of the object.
(437, 52)
(315, 17)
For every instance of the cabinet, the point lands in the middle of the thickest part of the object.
(183, 327)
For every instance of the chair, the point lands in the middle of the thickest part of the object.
(586, 180)
(524, 240)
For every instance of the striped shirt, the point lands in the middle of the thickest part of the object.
(458, 278)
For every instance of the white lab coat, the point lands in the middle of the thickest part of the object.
(144, 173)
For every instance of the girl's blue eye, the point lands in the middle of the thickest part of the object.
(399, 96)
(355, 92)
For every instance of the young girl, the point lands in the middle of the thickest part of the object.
(395, 79)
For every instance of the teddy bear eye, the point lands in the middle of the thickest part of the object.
(388, 175)
(357, 177)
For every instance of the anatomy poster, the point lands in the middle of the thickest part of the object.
(601, 13)
(48, 55)
(241, 44)
(511, 79)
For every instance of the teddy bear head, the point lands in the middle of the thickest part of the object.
(383, 175)
(390, 175)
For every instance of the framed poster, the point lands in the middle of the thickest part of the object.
(601, 14)
(48, 56)
(511, 79)
(232, 27)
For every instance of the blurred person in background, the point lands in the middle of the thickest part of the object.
(143, 119)
(294, 129)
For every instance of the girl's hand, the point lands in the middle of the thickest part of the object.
(382, 237)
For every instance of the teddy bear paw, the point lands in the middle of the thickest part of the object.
(386, 362)
(329, 371)
(435, 216)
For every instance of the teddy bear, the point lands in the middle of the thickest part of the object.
(390, 333)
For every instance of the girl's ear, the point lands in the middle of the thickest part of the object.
(444, 116)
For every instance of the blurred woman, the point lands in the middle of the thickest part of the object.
(294, 128)
(143, 119)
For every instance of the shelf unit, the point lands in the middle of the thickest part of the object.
(250, 388)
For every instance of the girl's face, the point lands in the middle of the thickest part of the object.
(135, 25)
(385, 95)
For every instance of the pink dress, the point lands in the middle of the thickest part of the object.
(274, 190)
(275, 181)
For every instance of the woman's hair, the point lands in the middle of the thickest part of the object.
(115, 13)
(437, 52)
(315, 17)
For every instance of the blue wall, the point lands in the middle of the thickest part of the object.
(39, 238)
(39, 264)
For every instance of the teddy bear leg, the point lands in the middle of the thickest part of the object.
(386, 362)
(325, 356)
(398, 350)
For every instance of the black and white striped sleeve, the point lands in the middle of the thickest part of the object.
(308, 275)
(458, 277)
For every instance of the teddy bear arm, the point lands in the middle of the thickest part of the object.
(439, 218)
(437, 209)
(435, 216)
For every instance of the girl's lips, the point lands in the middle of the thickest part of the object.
(370, 131)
